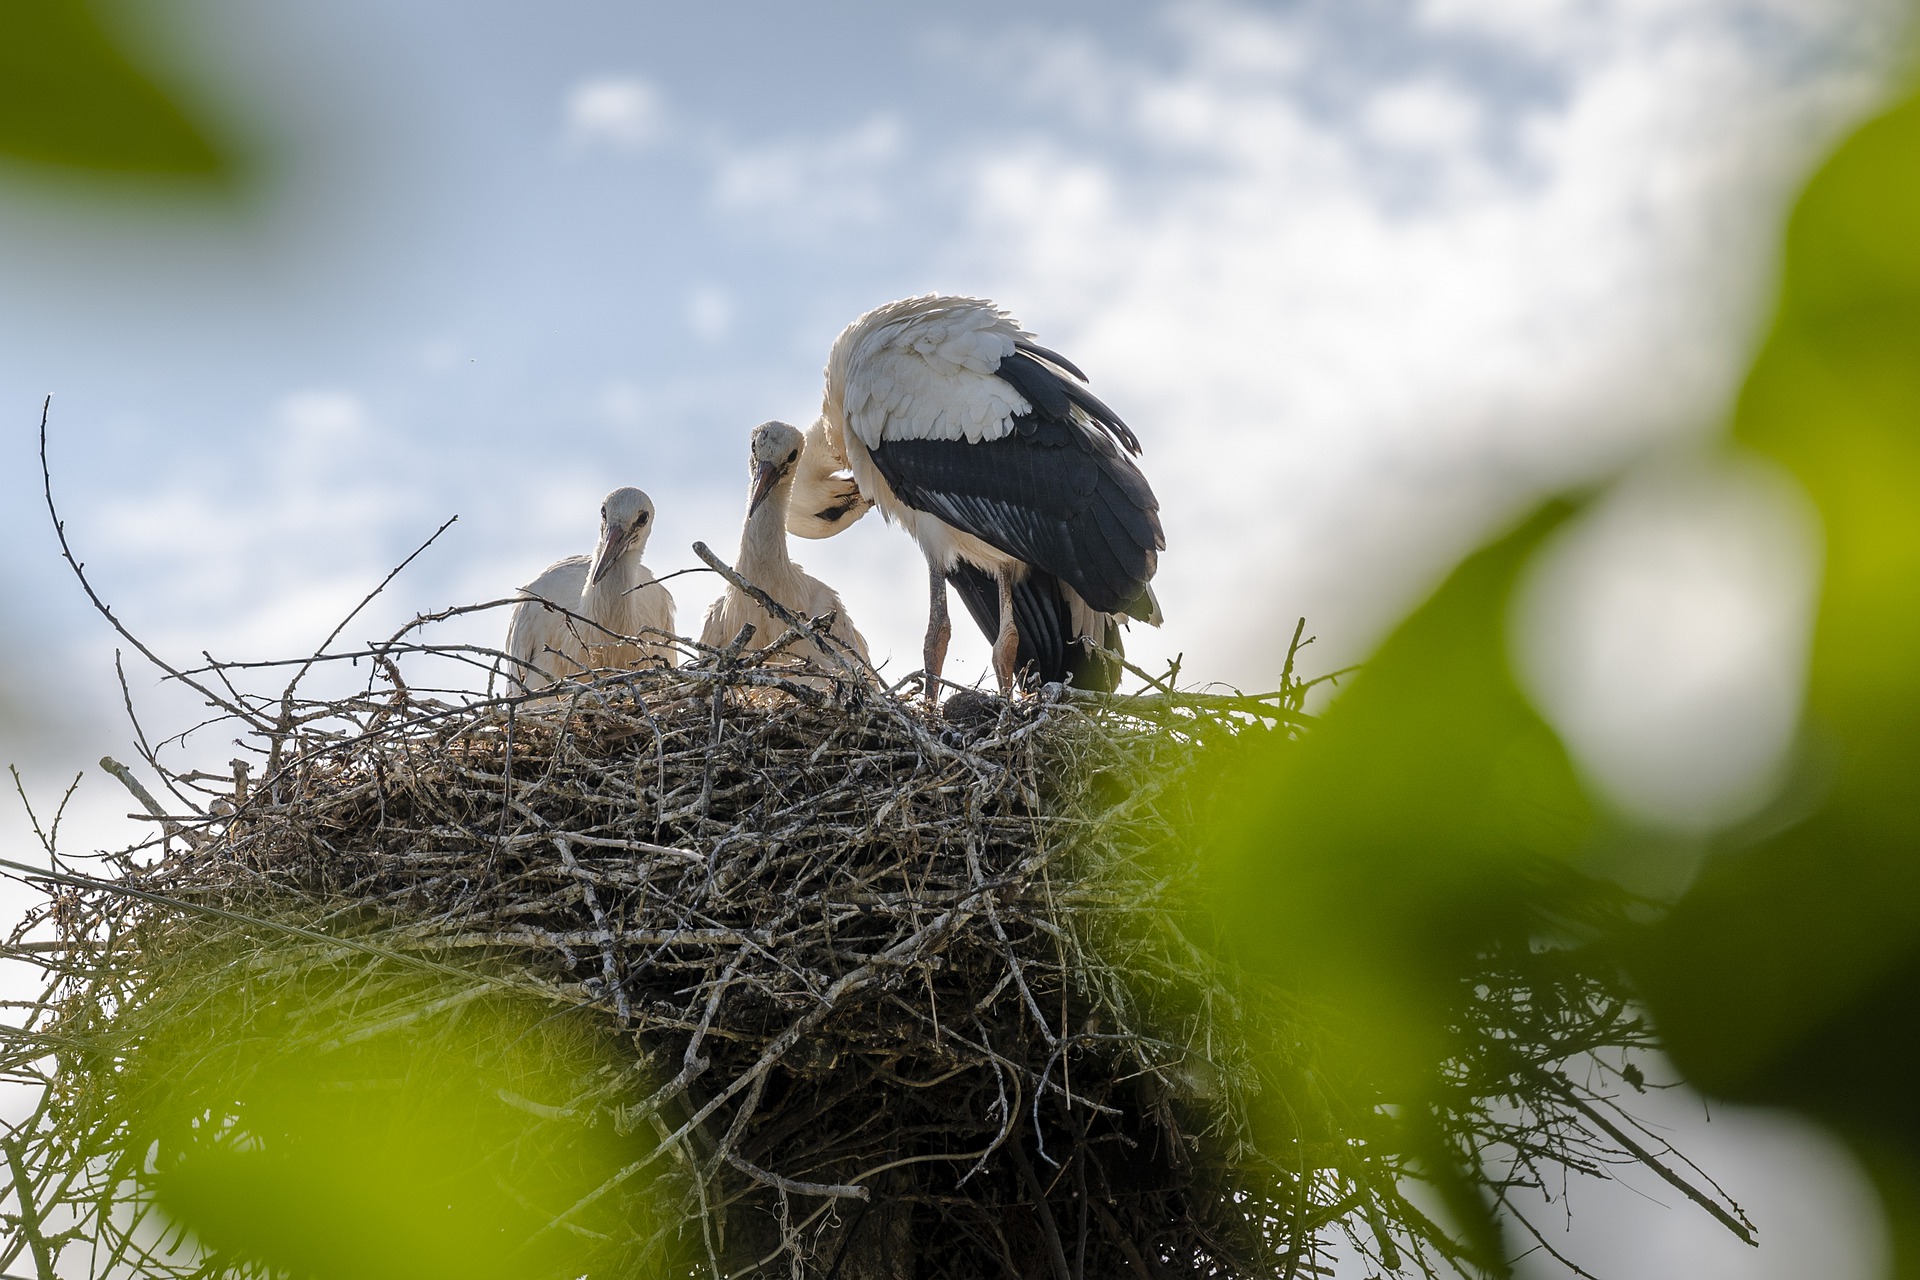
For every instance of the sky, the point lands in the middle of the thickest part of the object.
(1367, 277)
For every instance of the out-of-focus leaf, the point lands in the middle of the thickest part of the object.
(380, 1128)
(70, 97)
(1429, 817)
(1791, 973)
(1426, 815)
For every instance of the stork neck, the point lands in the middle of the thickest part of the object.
(763, 543)
(607, 598)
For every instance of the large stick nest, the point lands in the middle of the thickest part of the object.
(863, 992)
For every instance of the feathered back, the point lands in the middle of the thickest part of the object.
(926, 369)
(937, 367)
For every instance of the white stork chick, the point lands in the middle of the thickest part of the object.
(1015, 479)
(612, 589)
(763, 559)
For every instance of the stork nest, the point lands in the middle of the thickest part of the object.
(797, 979)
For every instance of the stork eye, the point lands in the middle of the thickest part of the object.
(795, 454)
(642, 518)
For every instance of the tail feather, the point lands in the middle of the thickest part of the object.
(1145, 608)
(1051, 650)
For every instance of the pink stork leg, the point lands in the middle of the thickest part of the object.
(1006, 645)
(939, 631)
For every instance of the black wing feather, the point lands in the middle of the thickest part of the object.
(1114, 532)
(1051, 356)
(1050, 394)
(1055, 492)
(1045, 390)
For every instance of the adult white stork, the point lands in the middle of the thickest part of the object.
(775, 461)
(1015, 479)
(612, 589)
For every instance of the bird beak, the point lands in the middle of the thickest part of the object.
(612, 543)
(763, 481)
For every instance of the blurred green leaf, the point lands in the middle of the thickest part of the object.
(1429, 813)
(1430, 818)
(1791, 973)
(70, 97)
(381, 1127)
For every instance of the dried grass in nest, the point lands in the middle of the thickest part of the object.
(885, 995)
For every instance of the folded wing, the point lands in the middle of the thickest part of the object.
(1057, 489)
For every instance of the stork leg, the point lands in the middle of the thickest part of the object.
(939, 631)
(1006, 645)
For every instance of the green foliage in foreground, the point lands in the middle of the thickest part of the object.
(1428, 821)
(328, 1116)
(71, 97)
(1791, 974)
(1432, 813)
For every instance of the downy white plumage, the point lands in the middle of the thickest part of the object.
(775, 461)
(612, 589)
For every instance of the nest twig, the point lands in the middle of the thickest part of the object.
(885, 981)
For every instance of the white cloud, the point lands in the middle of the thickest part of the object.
(1543, 25)
(808, 184)
(1562, 29)
(1424, 115)
(280, 541)
(1235, 40)
(624, 112)
(1356, 320)
(1342, 379)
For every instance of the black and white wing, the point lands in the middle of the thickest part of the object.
(1052, 482)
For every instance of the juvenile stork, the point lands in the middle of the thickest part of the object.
(612, 589)
(775, 462)
(1015, 479)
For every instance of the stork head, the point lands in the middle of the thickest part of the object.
(626, 518)
(776, 453)
(826, 497)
